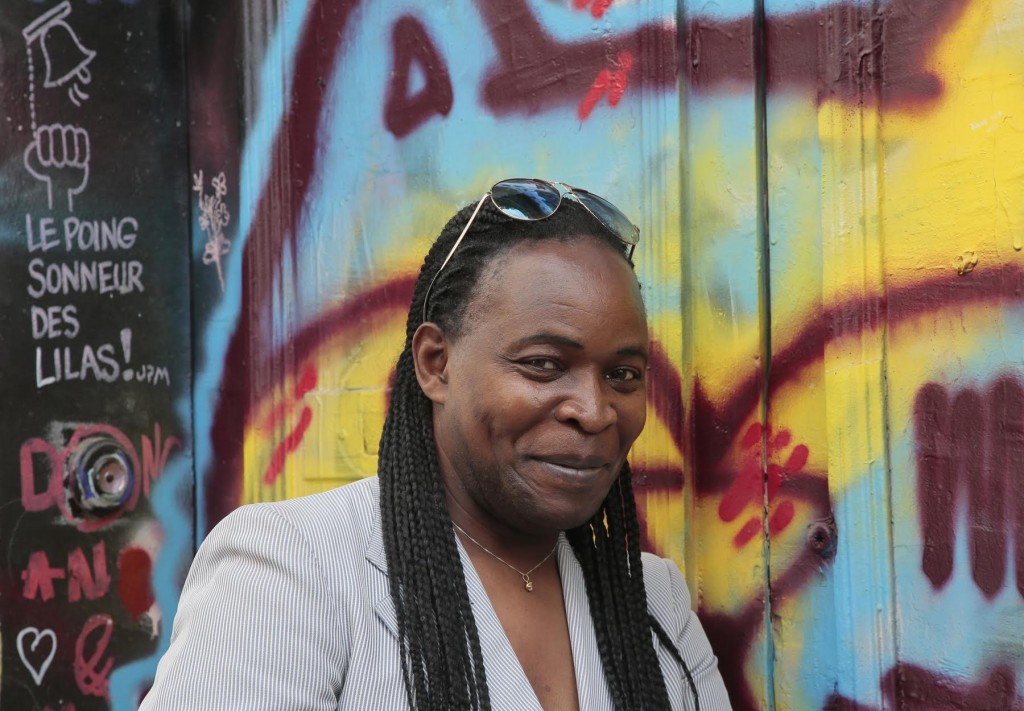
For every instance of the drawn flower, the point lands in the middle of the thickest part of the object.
(213, 217)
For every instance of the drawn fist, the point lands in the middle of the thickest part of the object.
(59, 153)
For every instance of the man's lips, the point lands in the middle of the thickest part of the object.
(574, 462)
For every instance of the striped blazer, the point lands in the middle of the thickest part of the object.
(286, 607)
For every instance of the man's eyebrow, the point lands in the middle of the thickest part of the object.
(633, 351)
(547, 338)
(554, 338)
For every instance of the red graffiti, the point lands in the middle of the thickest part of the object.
(290, 443)
(134, 580)
(306, 382)
(34, 498)
(94, 582)
(597, 7)
(971, 447)
(750, 487)
(39, 576)
(82, 579)
(609, 81)
(535, 71)
(355, 318)
(912, 688)
(155, 453)
(404, 112)
(92, 681)
(293, 439)
(715, 425)
(293, 160)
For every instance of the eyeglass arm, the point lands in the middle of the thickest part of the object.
(447, 259)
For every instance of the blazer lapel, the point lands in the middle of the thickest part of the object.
(384, 607)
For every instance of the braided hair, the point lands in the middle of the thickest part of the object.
(442, 662)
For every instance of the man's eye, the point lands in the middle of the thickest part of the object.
(625, 375)
(541, 363)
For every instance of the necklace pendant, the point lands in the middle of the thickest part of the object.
(529, 586)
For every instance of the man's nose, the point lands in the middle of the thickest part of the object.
(588, 404)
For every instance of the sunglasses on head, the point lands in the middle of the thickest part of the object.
(532, 199)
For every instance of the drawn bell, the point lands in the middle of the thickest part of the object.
(63, 52)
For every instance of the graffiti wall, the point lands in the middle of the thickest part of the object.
(95, 345)
(214, 224)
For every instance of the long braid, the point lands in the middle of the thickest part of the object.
(638, 597)
(624, 591)
(442, 660)
(442, 664)
(608, 549)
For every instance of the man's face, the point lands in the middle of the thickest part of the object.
(545, 387)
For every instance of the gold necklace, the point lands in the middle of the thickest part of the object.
(527, 583)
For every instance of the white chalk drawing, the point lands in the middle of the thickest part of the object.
(213, 218)
(59, 152)
(65, 59)
(37, 670)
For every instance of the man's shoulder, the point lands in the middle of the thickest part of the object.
(340, 521)
(349, 508)
(664, 583)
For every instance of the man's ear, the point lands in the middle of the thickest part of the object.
(430, 358)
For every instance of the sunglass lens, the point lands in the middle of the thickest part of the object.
(526, 199)
(610, 215)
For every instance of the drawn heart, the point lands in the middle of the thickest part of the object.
(37, 672)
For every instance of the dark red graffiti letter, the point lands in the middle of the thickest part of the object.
(1000, 488)
(935, 482)
(93, 682)
(971, 447)
(404, 112)
(81, 579)
(154, 456)
(31, 499)
(39, 577)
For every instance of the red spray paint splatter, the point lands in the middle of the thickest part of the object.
(134, 580)
(749, 485)
(293, 439)
(609, 81)
(597, 7)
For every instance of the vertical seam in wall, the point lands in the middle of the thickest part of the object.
(186, 13)
(764, 275)
(877, 47)
(694, 571)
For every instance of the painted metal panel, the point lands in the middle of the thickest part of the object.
(724, 341)
(952, 208)
(895, 263)
(95, 442)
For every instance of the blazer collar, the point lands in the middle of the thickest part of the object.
(383, 606)
(375, 546)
